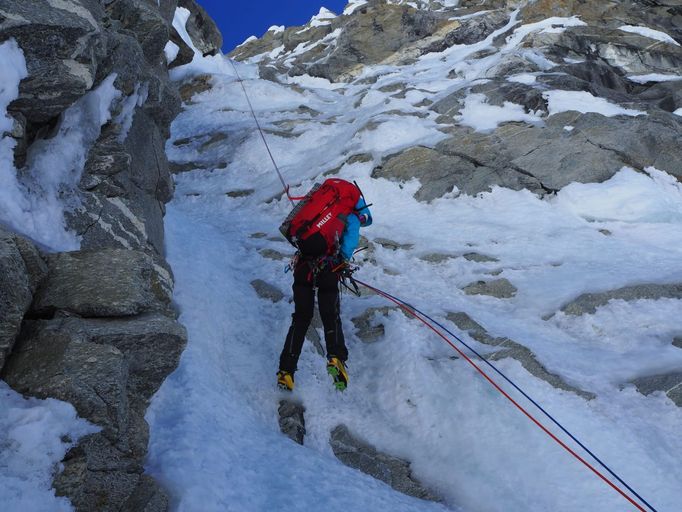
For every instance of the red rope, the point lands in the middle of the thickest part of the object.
(496, 386)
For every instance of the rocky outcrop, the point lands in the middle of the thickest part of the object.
(21, 270)
(96, 327)
(364, 457)
(367, 328)
(498, 288)
(669, 383)
(292, 420)
(107, 341)
(106, 283)
(506, 347)
(202, 29)
(588, 303)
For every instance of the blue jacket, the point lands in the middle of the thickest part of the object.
(361, 217)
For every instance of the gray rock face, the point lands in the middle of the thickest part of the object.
(668, 383)
(588, 303)
(364, 457)
(62, 70)
(110, 363)
(510, 348)
(479, 258)
(21, 268)
(677, 342)
(499, 288)
(202, 29)
(48, 362)
(291, 420)
(107, 283)
(108, 369)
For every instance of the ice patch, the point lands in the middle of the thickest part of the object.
(650, 33)
(276, 29)
(32, 443)
(484, 117)
(583, 101)
(678, 112)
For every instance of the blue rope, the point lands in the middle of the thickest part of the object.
(597, 459)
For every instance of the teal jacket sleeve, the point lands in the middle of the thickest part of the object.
(351, 237)
(351, 234)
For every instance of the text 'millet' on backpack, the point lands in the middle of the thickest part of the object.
(316, 224)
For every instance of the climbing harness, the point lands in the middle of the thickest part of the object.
(428, 322)
(347, 279)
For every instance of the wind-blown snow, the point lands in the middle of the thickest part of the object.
(650, 33)
(33, 441)
(407, 395)
(583, 101)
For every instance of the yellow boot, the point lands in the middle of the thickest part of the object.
(337, 370)
(285, 380)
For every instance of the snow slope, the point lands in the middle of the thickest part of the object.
(215, 441)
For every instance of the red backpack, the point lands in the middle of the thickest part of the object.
(316, 224)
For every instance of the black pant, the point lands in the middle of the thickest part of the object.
(328, 301)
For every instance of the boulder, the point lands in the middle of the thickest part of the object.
(98, 476)
(61, 46)
(291, 420)
(21, 270)
(364, 457)
(479, 258)
(57, 363)
(151, 343)
(106, 283)
(498, 288)
(669, 383)
(366, 328)
(587, 303)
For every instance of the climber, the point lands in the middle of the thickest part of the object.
(325, 228)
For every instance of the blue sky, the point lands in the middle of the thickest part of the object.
(238, 20)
